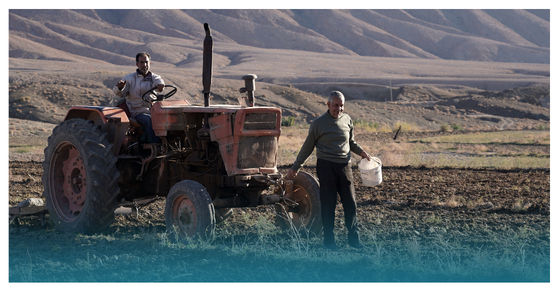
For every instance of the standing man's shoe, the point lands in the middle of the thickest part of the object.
(354, 240)
(356, 245)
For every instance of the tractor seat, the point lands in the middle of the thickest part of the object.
(122, 105)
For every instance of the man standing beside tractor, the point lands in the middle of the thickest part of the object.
(333, 135)
(134, 86)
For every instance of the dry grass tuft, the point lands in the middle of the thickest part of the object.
(395, 154)
(453, 201)
(405, 126)
(480, 148)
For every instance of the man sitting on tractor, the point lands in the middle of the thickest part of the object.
(134, 86)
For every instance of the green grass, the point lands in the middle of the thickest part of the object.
(456, 127)
(25, 148)
(288, 121)
(453, 127)
(367, 125)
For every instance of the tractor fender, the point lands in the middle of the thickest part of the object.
(112, 120)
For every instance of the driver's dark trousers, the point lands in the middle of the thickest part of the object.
(336, 178)
(146, 120)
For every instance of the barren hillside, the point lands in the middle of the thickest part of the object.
(114, 35)
(426, 67)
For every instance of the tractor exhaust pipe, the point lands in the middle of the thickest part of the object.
(207, 64)
(249, 88)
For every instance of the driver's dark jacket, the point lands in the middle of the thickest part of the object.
(136, 86)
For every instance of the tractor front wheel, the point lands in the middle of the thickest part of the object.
(189, 212)
(306, 216)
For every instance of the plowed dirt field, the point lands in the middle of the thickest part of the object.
(452, 218)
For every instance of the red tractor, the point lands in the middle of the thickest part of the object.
(212, 158)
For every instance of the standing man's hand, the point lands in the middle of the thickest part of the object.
(291, 174)
(365, 155)
(121, 84)
(160, 87)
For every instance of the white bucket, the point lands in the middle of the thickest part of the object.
(370, 171)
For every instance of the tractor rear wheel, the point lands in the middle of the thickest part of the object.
(80, 178)
(189, 212)
(306, 217)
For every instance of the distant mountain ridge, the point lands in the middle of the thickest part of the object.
(113, 36)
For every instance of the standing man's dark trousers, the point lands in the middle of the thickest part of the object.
(337, 178)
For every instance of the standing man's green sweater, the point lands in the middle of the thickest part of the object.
(333, 137)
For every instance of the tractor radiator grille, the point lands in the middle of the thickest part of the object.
(256, 121)
(257, 152)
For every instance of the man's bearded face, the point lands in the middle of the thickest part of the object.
(143, 64)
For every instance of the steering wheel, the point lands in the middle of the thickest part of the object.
(160, 96)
